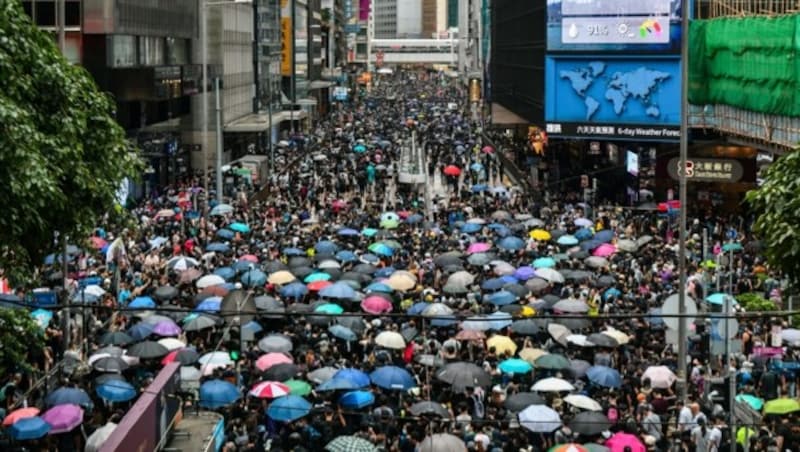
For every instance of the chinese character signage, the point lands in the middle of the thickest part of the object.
(287, 44)
(707, 170)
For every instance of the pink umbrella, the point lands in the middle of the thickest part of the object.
(605, 250)
(487, 149)
(376, 305)
(620, 441)
(339, 204)
(98, 242)
(63, 418)
(479, 247)
(249, 258)
(272, 359)
(269, 390)
(18, 414)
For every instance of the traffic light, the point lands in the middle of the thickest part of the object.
(234, 346)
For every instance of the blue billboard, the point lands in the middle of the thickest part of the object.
(642, 26)
(613, 97)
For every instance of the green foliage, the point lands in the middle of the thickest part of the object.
(62, 154)
(777, 206)
(19, 335)
(753, 302)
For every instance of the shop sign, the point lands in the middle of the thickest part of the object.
(707, 170)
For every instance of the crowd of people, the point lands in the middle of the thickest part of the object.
(390, 318)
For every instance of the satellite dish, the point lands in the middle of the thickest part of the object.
(238, 301)
(670, 308)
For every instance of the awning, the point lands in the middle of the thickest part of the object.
(503, 116)
(307, 102)
(319, 84)
(260, 122)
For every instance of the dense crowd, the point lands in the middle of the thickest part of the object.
(464, 315)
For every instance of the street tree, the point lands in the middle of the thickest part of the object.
(21, 337)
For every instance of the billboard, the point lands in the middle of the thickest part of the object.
(287, 45)
(646, 26)
(613, 97)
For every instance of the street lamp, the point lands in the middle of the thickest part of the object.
(204, 57)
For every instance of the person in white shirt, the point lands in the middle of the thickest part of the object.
(685, 418)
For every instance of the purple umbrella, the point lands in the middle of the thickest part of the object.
(524, 273)
(166, 328)
(63, 418)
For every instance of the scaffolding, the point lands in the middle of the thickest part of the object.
(710, 9)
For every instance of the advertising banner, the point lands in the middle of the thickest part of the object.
(287, 45)
(646, 26)
(613, 97)
(364, 9)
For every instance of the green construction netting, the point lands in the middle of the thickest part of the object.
(750, 63)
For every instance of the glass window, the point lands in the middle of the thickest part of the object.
(121, 51)
(151, 51)
(177, 51)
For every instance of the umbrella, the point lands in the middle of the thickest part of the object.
(276, 343)
(272, 359)
(781, 406)
(552, 362)
(198, 322)
(590, 423)
(350, 444)
(571, 306)
(28, 428)
(540, 235)
(185, 356)
(511, 243)
(442, 442)
(525, 327)
(182, 263)
(558, 332)
(66, 395)
(392, 377)
(583, 402)
(339, 291)
(221, 210)
(552, 385)
(515, 366)
(451, 170)
(356, 399)
(21, 413)
(147, 350)
(63, 418)
(521, 400)
(324, 374)
(281, 372)
(429, 408)
(269, 390)
(298, 387)
(550, 275)
(544, 262)
(755, 403)
(464, 375)
(568, 447)
(660, 376)
(602, 340)
(376, 305)
(217, 394)
(502, 298)
(329, 309)
(166, 328)
(239, 227)
(116, 391)
(540, 419)
(209, 281)
(343, 333)
(116, 338)
(99, 436)
(289, 408)
(502, 344)
(111, 364)
(294, 290)
(391, 339)
(620, 337)
(620, 441)
(142, 303)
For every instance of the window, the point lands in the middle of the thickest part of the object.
(121, 51)
(177, 51)
(151, 51)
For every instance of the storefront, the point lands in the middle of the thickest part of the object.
(166, 158)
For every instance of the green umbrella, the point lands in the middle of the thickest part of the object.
(369, 232)
(329, 308)
(592, 447)
(390, 223)
(781, 406)
(732, 247)
(552, 361)
(298, 387)
(754, 402)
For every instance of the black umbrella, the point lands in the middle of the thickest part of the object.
(299, 262)
(521, 400)
(187, 356)
(116, 338)
(275, 266)
(355, 276)
(517, 289)
(451, 258)
(574, 324)
(602, 340)
(300, 308)
(302, 272)
(334, 272)
(464, 375)
(429, 408)
(366, 269)
(590, 423)
(202, 322)
(165, 293)
(605, 281)
(148, 350)
(268, 303)
(551, 300)
(281, 372)
(409, 333)
(513, 309)
(111, 364)
(526, 327)
(578, 367)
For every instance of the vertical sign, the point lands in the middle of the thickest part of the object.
(474, 90)
(287, 43)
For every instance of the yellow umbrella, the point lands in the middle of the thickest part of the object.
(744, 434)
(502, 344)
(401, 282)
(531, 354)
(281, 277)
(527, 311)
(540, 235)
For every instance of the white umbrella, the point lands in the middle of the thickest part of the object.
(579, 340)
(790, 336)
(182, 263)
(476, 221)
(215, 358)
(96, 357)
(209, 281)
(627, 245)
(461, 278)
(618, 335)
(660, 376)
(583, 402)
(437, 310)
(391, 339)
(171, 343)
(503, 268)
(328, 264)
(99, 437)
(559, 332)
(190, 378)
(550, 275)
(552, 384)
(540, 419)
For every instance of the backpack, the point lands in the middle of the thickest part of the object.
(613, 414)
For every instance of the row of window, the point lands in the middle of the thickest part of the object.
(131, 51)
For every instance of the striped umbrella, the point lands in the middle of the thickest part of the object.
(269, 390)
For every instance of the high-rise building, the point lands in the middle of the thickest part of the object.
(395, 19)
(452, 13)
(268, 54)
(384, 16)
(434, 18)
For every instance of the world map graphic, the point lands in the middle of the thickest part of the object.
(618, 89)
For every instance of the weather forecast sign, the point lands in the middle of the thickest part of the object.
(647, 26)
(627, 98)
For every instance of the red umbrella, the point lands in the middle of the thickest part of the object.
(452, 170)
(18, 414)
(272, 359)
(249, 258)
(215, 291)
(269, 390)
(316, 286)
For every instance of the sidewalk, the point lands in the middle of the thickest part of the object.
(195, 432)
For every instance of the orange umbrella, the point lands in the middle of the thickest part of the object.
(215, 291)
(18, 414)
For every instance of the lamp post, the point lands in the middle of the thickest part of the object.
(204, 61)
(684, 152)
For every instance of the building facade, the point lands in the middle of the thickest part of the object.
(434, 18)
(384, 13)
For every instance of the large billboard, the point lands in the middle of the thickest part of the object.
(616, 97)
(643, 26)
(287, 45)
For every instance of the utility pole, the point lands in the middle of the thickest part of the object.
(294, 67)
(62, 26)
(219, 139)
(684, 154)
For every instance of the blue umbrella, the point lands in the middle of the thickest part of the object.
(611, 293)
(28, 428)
(339, 290)
(356, 376)
(140, 331)
(359, 148)
(515, 366)
(294, 290)
(253, 327)
(347, 232)
(218, 247)
(501, 298)
(370, 258)
(544, 262)
(217, 394)
(718, 298)
(254, 278)
(225, 273)
(732, 247)
(393, 377)
(511, 243)
(369, 232)
(226, 234)
(385, 272)
(221, 209)
(654, 317)
(142, 303)
(567, 240)
(478, 188)
(342, 332)
(444, 320)
(116, 391)
(288, 408)
(381, 249)
(338, 384)
(509, 279)
(210, 304)
(471, 228)
(356, 399)
(499, 320)
(524, 273)
(68, 396)
(417, 308)
(604, 376)
(346, 256)
(414, 218)
(242, 266)
(326, 247)
(493, 284)
(293, 252)
(605, 236)
(476, 167)
(379, 287)
(591, 245)
(239, 227)
(584, 234)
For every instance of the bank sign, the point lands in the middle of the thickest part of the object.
(613, 97)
